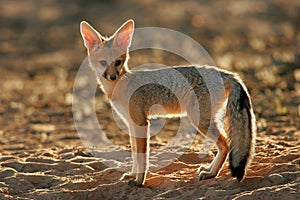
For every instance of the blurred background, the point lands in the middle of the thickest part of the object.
(41, 50)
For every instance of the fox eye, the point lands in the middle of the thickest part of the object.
(103, 63)
(118, 63)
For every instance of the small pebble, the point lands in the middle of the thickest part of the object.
(7, 172)
(276, 178)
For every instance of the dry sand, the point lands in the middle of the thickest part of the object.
(41, 154)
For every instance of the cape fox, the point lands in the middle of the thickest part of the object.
(138, 95)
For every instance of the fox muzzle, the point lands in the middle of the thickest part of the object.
(110, 77)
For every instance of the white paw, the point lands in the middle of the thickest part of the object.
(203, 168)
(140, 178)
(135, 182)
(206, 175)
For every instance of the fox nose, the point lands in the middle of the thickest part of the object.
(111, 77)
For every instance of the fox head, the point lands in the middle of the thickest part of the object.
(108, 56)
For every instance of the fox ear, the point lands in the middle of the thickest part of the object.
(90, 36)
(123, 36)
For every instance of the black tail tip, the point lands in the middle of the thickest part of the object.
(238, 172)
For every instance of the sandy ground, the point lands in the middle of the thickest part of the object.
(41, 154)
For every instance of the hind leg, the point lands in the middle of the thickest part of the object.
(214, 168)
(215, 134)
(202, 119)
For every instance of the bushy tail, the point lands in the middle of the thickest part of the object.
(241, 128)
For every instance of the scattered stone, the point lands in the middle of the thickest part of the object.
(277, 178)
(297, 75)
(42, 127)
(7, 172)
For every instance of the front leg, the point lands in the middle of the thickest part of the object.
(132, 174)
(140, 137)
